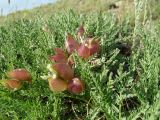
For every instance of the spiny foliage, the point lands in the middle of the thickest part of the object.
(120, 86)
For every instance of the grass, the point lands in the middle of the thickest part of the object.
(122, 87)
(121, 8)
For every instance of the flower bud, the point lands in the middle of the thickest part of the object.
(71, 44)
(59, 57)
(11, 84)
(20, 74)
(93, 45)
(60, 51)
(76, 86)
(57, 85)
(64, 71)
(84, 51)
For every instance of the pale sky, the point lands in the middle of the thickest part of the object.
(20, 5)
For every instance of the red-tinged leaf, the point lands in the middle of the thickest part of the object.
(20, 74)
(71, 44)
(93, 45)
(81, 31)
(84, 51)
(57, 85)
(64, 71)
(76, 86)
(12, 84)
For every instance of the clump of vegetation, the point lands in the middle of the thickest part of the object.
(121, 81)
(62, 74)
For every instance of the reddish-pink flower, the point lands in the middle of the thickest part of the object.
(59, 57)
(71, 44)
(11, 84)
(84, 51)
(76, 86)
(64, 70)
(93, 45)
(20, 74)
(57, 85)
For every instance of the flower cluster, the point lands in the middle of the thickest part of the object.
(16, 78)
(62, 71)
(62, 76)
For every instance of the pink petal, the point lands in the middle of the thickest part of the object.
(57, 85)
(12, 84)
(71, 44)
(20, 74)
(93, 45)
(84, 51)
(60, 51)
(76, 86)
(60, 56)
(64, 70)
